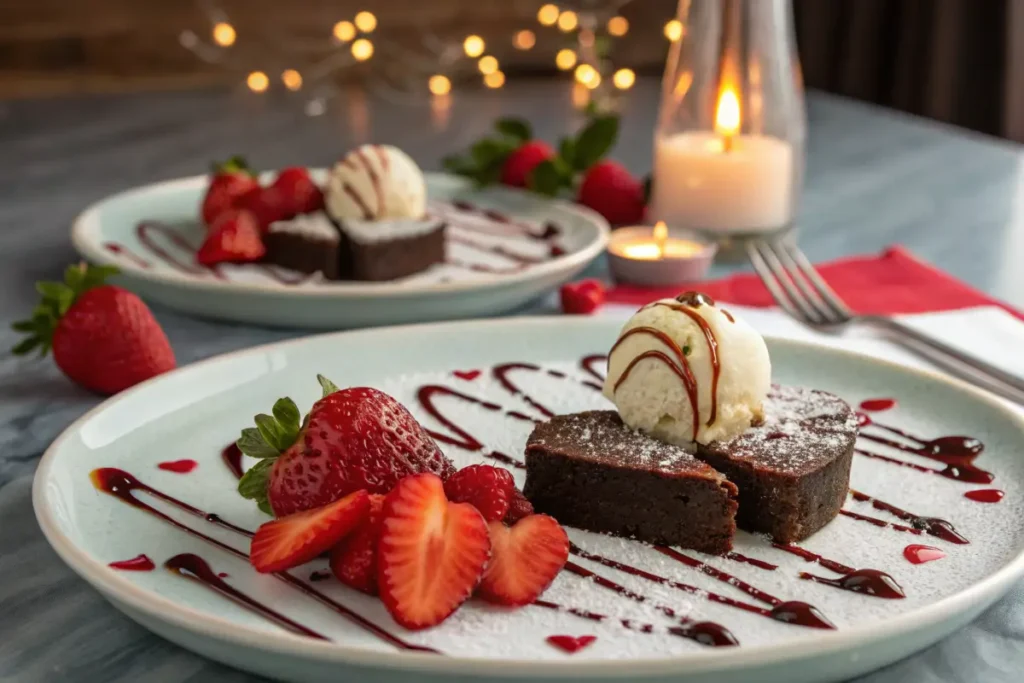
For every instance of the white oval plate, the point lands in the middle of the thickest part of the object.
(258, 294)
(193, 412)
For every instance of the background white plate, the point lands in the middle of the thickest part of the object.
(195, 411)
(248, 294)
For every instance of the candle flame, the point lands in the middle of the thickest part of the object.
(727, 113)
(660, 236)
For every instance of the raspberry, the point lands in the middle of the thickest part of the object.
(518, 507)
(488, 489)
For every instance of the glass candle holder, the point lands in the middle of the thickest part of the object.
(729, 142)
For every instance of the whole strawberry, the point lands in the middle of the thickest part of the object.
(298, 191)
(231, 181)
(353, 439)
(613, 192)
(102, 337)
(520, 163)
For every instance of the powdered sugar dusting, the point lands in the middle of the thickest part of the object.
(802, 428)
(313, 225)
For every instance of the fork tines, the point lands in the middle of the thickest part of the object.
(794, 283)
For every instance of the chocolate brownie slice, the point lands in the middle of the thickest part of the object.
(590, 471)
(307, 243)
(390, 249)
(792, 470)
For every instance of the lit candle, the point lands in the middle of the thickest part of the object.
(723, 181)
(643, 256)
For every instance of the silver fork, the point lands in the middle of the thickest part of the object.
(801, 292)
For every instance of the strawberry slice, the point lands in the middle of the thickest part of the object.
(296, 539)
(432, 553)
(234, 237)
(525, 560)
(354, 560)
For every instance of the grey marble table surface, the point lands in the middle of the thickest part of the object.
(873, 178)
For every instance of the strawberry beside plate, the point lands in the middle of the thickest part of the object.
(161, 265)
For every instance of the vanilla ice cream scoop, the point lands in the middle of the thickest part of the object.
(376, 182)
(686, 370)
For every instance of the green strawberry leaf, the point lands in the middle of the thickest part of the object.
(567, 150)
(329, 387)
(254, 445)
(53, 290)
(287, 415)
(460, 165)
(24, 326)
(274, 433)
(253, 484)
(26, 346)
(516, 129)
(594, 141)
(545, 178)
(488, 151)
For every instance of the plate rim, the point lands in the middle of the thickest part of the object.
(121, 589)
(88, 219)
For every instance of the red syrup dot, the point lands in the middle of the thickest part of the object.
(919, 554)
(877, 405)
(179, 466)
(985, 495)
(222, 575)
(468, 375)
(136, 564)
(571, 644)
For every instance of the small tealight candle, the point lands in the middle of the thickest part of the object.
(651, 257)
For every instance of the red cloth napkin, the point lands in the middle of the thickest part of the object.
(894, 281)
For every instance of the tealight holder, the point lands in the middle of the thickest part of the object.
(729, 142)
(659, 257)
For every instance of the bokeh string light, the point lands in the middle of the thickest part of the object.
(431, 64)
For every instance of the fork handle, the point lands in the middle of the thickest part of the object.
(965, 366)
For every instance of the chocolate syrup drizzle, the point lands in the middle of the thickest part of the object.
(123, 486)
(868, 581)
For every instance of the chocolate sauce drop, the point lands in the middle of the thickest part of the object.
(867, 581)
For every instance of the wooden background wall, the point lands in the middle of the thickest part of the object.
(60, 46)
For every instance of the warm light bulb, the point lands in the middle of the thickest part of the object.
(257, 81)
(224, 34)
(618, 26)
(568, 21)
(362, 49)
(674, 30)
(439, 85)
(594, 82)
(487, 64)
(565, 59)
(495, 79)
(473, 45)
(586, 73)
(524, 40)
(292, 79)
(344, 31)
(624, 79)
(366, 21)
(727, 113)
(548, 15)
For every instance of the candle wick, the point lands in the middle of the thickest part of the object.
(727, 143)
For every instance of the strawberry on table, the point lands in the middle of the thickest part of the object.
(102, 337)
(489, 489)
(234, 237)
(518, 166)
(352, 439)
(525, 559)
(432, 552)
(613, 192)
(518, 507)
(298, 191)
(290, 541)
(232, 179)
(582, 297)
(354, 560)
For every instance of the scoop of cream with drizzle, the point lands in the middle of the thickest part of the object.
(686, 370)
(373, 183)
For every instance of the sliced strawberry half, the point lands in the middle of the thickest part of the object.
(526, 558)
(354, 560)
(432, 553)
(296, 539)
